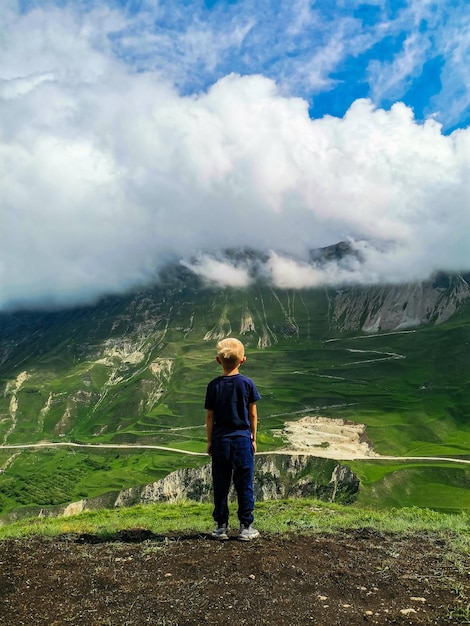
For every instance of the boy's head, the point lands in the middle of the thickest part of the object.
(230, 352)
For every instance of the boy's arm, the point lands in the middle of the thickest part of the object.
(253, 415)
(209, 427)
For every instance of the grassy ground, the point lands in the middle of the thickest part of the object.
(279, 517)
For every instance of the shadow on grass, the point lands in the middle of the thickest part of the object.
(134, 535)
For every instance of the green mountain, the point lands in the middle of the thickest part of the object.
(132, 371)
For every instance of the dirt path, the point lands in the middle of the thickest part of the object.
(313, 435)
(97, 446)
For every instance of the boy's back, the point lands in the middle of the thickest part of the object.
(229, 397)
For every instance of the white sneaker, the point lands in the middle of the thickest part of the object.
(220, 532)
(247, 533)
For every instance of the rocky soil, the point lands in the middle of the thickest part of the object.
(343, 579)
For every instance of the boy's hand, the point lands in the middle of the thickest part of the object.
(253, 443)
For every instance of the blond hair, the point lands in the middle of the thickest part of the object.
(230, 351)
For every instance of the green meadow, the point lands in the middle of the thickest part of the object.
(133, 371)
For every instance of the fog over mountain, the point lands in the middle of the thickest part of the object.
(133, 136)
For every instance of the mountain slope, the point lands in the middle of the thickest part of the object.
(133, 370)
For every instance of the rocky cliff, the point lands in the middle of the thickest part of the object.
(276, 477)
(398, 307)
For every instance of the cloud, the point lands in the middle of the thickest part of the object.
(219, 272)
(388, 79)
(108, 172)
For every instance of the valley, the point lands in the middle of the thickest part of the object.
(110, 396)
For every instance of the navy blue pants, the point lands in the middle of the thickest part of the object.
(233, 458)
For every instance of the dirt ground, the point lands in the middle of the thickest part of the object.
(327, 437)
(346, 579)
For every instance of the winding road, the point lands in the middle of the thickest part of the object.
(337, 457)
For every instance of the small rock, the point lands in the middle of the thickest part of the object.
(407, 611)
(252, 576)
(417, 599)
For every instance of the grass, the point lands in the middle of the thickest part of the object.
(63, 476)
(416, 405)
(441, 486)
(277, 517)
(460, 615)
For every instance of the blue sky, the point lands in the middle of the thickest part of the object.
(136, 131)
(329, 53)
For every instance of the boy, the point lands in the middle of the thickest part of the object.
(231, 423)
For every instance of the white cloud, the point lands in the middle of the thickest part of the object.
(107, 172)
(219, 272)
(389, 80)
(453, 99)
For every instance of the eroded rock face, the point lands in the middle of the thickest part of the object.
(398, 307)
(276, 477)
(185, 484)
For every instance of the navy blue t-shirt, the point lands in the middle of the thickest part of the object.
(229, 397)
